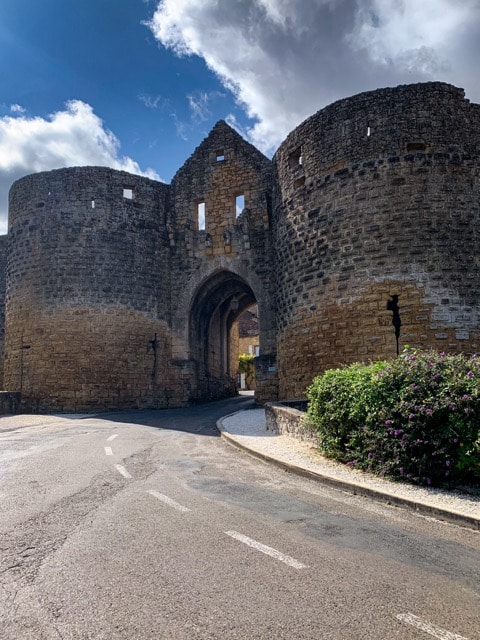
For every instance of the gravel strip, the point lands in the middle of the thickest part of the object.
(248, 429)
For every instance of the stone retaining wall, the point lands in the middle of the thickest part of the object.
(9, 402)
(287, 420)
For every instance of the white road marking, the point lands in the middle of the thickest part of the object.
(436, 632)
(269, 551)
(168, 501)
(122, 471)
(108, 451)
(112, 437)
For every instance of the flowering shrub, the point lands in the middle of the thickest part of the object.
(416, 418)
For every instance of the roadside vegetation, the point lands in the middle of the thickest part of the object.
(246, 366)
(415, 418)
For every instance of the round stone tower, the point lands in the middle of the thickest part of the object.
(87, 290)
(376, 227)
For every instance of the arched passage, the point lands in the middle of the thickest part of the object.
(217, 305)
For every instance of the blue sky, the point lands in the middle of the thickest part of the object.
(137, 84)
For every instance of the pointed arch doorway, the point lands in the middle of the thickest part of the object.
(213, 333)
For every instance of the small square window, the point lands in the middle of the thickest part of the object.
(295, 158)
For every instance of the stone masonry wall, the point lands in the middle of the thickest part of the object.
(87, 290)
(3, 268)
(238, 243)
(377, 196)
(368, 216)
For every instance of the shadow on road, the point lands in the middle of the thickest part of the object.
(199, 419)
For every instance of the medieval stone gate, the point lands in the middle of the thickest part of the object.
(124, 292)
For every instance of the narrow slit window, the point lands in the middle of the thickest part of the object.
(369, 130)
(93, 204)
(201, 216)
(239, 204)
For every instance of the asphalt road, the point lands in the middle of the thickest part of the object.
(147, 525)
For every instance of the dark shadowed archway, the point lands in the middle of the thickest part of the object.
(218, 303)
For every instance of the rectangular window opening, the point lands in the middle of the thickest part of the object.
(128, 194)
(239, 204)
(220, 156)
(201, 216)
(299, 182)
(295, 158)
(416, 146)
(93, 204)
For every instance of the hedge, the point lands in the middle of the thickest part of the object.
(416, 418)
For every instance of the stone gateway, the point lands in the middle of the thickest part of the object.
(361, 235)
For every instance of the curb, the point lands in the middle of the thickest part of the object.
(446, 515)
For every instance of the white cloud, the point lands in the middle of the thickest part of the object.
(285, 59)
(16, 108)
(198, 103)
(73, 137)
(153, 102)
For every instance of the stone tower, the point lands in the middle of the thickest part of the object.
(377, 206)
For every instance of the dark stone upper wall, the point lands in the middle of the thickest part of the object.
(222, 166)
(76, 239)
(431, 117)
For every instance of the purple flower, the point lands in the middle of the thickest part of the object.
(429, 480)
(401, 471)
(388, 422)
(411, 416)
(469, 374)
(447, 463)
(455, 440)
